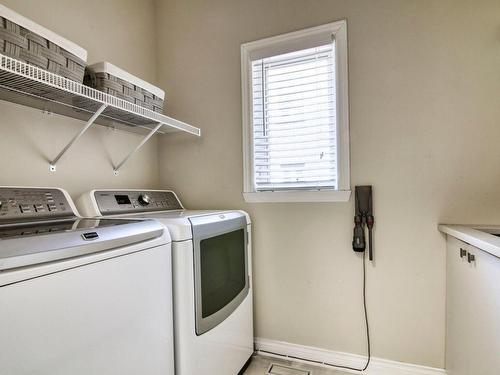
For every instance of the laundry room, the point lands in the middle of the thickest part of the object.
(249, 187)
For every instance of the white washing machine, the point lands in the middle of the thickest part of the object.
(212, 270)
(81, 296)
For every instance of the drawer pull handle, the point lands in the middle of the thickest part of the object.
(463, 253)
(471, 258)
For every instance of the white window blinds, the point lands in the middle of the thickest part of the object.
(294, 120)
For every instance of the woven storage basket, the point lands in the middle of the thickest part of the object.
(104, 77)
(25, 45)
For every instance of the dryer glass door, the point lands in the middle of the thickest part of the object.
(221, 267)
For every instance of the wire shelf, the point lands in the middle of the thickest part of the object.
(34, 87)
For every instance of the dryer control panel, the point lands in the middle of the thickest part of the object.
(25, 204)
(122, 202)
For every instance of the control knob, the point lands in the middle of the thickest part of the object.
(144, 199)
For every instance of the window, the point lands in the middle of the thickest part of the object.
(295, 116)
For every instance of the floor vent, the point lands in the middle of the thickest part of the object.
(277, 369)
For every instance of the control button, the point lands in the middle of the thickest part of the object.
(144, 199)
(39, 208)
(52, 207)
(24, 208)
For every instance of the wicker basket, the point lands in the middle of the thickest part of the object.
(114, 81)
(28, 46)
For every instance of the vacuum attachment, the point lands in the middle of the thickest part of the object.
(363, 216)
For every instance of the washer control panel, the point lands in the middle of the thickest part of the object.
(24, 204)
(121, 202)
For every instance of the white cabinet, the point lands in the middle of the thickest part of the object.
(473, 310)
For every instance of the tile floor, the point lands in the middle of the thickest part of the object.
(260, 366)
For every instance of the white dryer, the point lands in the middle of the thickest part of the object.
(213, 315)
(81, 296)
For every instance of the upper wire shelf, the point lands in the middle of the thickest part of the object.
(34, 87)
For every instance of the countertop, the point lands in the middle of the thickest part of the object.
(479, 236)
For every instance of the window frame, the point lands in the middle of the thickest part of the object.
(290, 42)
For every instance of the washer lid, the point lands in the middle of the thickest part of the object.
(33, 243)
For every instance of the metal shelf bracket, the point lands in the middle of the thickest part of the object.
(89, 123)
(116, 170)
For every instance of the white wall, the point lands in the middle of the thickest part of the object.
(119, 31)
(425, 127)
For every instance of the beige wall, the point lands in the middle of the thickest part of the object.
(119, 31)
(425, 127)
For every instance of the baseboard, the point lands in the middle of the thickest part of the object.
(323, 357)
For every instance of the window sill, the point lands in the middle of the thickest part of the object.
(297, 196)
